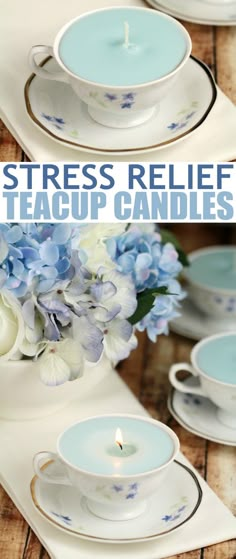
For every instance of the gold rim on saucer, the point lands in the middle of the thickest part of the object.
(86, 536)
(140, 149)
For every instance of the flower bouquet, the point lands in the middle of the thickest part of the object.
(71, 293)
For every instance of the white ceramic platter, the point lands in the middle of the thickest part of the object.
(175, 504)
(195, 325)
(58, 112)
(198, 11)
(198, 415)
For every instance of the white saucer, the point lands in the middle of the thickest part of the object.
(195, 325)
(58, 112)
(198, 11)
(198, 415)
(175, 504)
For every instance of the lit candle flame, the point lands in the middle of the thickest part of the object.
(119, 438)
(126, 26)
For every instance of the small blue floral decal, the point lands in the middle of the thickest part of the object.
(58, 122)
(130, 491)
(124, 100)
(183, 117)
(134, 486)
(227, 304)
(128, 96)
(190, 115)
(47, 117)
(110, 96)
(130, 495)
(126, 105)
(168, 518)
(192, 399)
(133, 490)
(66, 519)
(118, 488)
(173, 126)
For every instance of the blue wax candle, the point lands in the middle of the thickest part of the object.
(122, 46)
(90, 446)
(214, 269)
(217, 358)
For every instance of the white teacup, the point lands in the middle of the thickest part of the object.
(116, 478)
(214, 363)
(211, 280)
(121, 74)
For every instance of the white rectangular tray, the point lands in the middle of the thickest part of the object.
(212, 523)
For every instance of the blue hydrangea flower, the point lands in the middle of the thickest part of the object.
(151, 264)
(33, 257)
(71, 310)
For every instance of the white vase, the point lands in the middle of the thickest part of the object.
(23, 395)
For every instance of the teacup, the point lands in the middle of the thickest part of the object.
(211, 280)
(115, 477)
(214, 363)
(120, 61)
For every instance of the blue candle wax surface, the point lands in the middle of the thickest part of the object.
(217, 358)
(87, 445)
(93, 47)
(214, 269)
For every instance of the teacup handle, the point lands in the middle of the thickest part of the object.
(180, 385)
(39, 70)
(43, 456)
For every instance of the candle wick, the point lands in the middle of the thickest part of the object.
(120, 445)
(126, 29)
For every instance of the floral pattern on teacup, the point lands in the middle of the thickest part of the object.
(124, 100)
(127, 492)
(228, 303)
(213, 303)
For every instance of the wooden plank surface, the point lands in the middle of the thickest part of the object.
(146, 369)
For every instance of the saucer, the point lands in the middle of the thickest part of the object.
(175, 504)
(195, 325)
(198, 415)
(198, 11)
(58, 112)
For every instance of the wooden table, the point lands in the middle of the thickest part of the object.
(146, 369)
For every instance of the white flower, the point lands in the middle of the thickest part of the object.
(119, 339)
(61, 361)
(125, 295)
(12, 328)
(102, 230)
(92, 241)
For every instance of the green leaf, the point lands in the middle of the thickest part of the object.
(163, 290)
(146, 300)
(168, 237)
